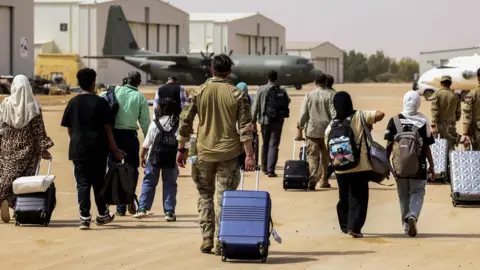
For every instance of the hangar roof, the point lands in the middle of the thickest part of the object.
(219, 17)
(307, 45)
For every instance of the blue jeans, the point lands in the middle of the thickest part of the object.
(150, 182)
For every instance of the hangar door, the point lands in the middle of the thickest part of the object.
(5, 41)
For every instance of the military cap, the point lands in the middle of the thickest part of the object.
(445, 78)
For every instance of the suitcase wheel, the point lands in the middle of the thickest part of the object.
(264, 259)
(285, 189)
(224, 259)
(17, 224)
(454, 204)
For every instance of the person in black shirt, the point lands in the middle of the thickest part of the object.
(89, 120)
(412, 191)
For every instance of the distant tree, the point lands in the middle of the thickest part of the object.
(407, 68)
(355, 67)
(378, 67)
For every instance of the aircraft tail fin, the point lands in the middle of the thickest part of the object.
(119, 39)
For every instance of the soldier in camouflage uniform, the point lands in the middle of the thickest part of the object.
(220, 106)
(471, 117)
(446, 112)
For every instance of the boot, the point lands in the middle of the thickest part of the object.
(207, 245)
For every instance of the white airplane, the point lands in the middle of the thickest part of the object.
(463, 71)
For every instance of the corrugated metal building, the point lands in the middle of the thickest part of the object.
(16, 37)
(325, 56)
(244, 33)
(431, 59)
(79, 27)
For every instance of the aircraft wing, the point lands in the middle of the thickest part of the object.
(177, 58)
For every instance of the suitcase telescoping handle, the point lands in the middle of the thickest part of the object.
(257, 178)
(49, 166)
(295, 149)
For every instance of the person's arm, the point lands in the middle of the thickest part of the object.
(183, 97)
(244, 125)
(379, 116)
(389, 136)
(39, 133)
(70, 132)
(304, 113)
(144, 117)
(147, 143)
(333, 112)
(186, 121)
(155, 104)
(112, 144)
(458, 111)
(435, 112)
(66, 120)
(256, 107)
(467, 113)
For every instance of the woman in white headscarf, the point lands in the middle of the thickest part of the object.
(23, 140)
(411, 191)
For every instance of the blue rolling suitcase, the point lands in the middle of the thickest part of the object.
(246, 224)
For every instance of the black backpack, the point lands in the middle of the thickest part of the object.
(119, 186)
(164, 150)
(276, 103)
(112, 100)
(344, 152)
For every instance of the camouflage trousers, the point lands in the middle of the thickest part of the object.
(476, 141)
(448, 131)
(212, 179)
(318, 161)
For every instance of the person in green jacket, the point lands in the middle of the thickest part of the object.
(133, 109)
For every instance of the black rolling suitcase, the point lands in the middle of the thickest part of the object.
(35, 208)
(297, 172)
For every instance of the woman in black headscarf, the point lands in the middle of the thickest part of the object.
(353, 183)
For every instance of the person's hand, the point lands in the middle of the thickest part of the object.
(119, 155)
(143, 162)
(182, 159)
(254, 128)
(299, 136)
(465, 140)
(434, 130)
(46, 155)
(250, 163)
(431, 170)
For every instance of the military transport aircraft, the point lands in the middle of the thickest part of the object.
(194, 69)
(462, 69)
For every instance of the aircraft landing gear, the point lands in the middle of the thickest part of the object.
(298, 87)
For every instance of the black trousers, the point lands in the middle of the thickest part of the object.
(88, 173)
(127, 141)
(271, 134)
(353, 200)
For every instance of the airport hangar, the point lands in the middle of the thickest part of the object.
(431, 59)
(78, 27)
(325, 56)
(244, 33)
(16, 42)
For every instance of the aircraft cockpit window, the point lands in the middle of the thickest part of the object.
(302, 61)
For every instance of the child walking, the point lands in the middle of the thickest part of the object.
(159, 155)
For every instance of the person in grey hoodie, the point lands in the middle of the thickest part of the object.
(316, 113)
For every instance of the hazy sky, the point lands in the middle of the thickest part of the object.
(399, 27)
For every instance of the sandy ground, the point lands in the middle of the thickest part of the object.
(307, 221)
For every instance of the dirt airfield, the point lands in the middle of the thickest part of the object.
(307, 221)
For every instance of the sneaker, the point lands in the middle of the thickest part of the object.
(207, 245)
(5, 212)
(132, 209)
(355, 235)
(412, 230)
(141, 213)
(85, 223)
(311, 188)
(102, 220)
(170, 217)
(272, 174)
(326, 185)
(120, 214)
